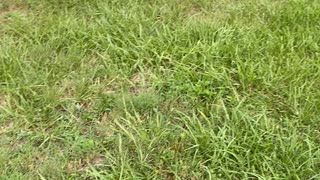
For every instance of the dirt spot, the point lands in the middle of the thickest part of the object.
(6, 128)
(197, 14)
(163, 171)
(66, 90)
(102, 127)
(38, 160)
(111, 86)
(141, 82)
(97, 160)
(3, 100)
(239, 12)
(10, 8)
(194, 10)
(81, 165)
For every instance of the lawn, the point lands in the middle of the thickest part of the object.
(159, 89)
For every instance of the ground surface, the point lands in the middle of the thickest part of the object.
(167, 89)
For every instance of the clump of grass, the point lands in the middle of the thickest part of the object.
(159, 89)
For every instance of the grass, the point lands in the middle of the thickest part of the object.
(141, 89)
